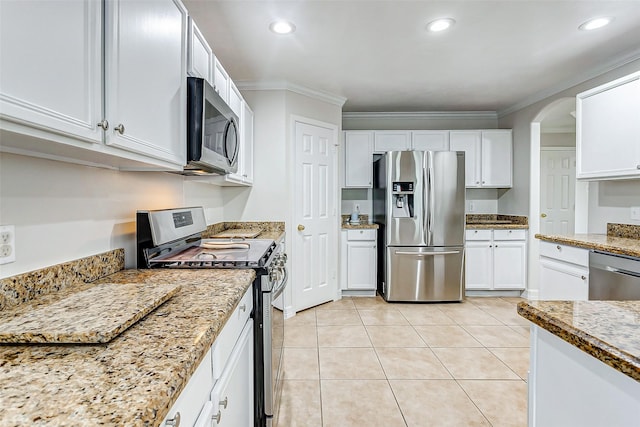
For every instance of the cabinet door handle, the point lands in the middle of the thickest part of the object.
(243, 307)
(559, 247)
(119, 128)
(583, 277)
(104, 124)
(217, 417)
(174, 422)
(224, 402)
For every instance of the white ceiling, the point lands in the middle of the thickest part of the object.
(379, 56)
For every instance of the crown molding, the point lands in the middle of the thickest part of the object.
(574, 81)
(421, 115)
(320, 95)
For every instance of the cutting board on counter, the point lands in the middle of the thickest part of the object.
(238, 232)
(93, 316)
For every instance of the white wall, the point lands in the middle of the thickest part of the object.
(557, 139)
(64, 211)
(610, 201)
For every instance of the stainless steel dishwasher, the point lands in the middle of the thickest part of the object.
(613, 277)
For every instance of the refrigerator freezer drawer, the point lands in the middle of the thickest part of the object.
(424, 274)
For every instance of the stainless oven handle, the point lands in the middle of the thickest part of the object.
(622, 271)
(275, 293)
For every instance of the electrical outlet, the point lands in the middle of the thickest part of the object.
(7, 244)
(635, 212)
(356, 207)
(471, 207)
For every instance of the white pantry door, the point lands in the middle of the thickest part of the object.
(315, 248)
(557, 190)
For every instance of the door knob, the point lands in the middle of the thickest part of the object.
(543, 215)
(300, 227)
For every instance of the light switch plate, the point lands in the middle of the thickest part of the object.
(635, 212)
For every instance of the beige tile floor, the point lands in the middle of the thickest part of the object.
(364, 362)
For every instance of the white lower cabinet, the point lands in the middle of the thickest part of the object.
(232, 396)
(220, 392)
(569, 387)
(496, 259)
(192, 399)
(564, 272)
(359, 260)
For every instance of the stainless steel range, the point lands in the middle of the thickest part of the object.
(172, 238)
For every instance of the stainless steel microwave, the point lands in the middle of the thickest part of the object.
(212, 131)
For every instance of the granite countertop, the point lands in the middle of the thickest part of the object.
(494, 221)
(606, 330)
(622, 239)
(269, 229)
(364, 223)
(134, 379)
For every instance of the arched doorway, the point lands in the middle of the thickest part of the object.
(550, 135)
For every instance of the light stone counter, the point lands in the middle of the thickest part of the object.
(496, 222)
(132, 380)
(607, 330)
(602, 242)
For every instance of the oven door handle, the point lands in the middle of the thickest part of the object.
(277, 290)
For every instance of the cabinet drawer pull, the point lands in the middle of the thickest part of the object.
(174, 422)
(559, 247)
(583, 277)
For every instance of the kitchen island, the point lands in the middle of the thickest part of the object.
(585, 362)
(132, 380)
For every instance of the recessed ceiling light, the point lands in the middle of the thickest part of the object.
(440, 24)
(595, 23)
(282, 27)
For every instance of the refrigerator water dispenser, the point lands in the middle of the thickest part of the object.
(402, 200)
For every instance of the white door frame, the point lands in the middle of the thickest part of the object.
(292, 226)
(582, 202)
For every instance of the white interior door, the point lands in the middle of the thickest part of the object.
(557, 190)
(315, 243)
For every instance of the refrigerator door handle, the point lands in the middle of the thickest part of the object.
(432, 204)
(425, 205)
(426, 253)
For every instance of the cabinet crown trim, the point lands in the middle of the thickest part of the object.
(421, 115)
(293, 87)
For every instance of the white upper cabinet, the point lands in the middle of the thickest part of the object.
(52, 66)
(358, 158)
(488, 157)
(497, 158)
(199, 54)
(221, 80)
(608, 130)
(392, 140)
(59, 90)
(430, 140)
(235, 99)
(147, 109)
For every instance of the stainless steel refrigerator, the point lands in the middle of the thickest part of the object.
(418, 201)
